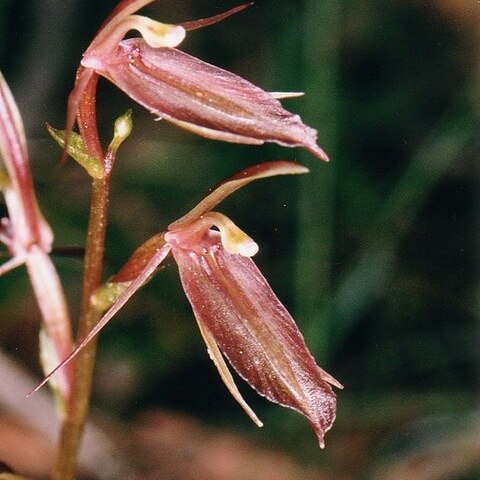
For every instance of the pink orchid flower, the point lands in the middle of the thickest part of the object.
(182, 89)
(237, 312)
(29, 238)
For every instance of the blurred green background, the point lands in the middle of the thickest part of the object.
(375, 254)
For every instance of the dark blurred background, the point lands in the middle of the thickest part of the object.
(375, 254)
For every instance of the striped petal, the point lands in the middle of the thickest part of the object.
(234, 304)
(202, 98)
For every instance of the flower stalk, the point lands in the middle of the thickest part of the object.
(88, 147)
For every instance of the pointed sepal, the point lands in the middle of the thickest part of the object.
(232, 184)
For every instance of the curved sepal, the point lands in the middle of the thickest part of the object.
(232, 184)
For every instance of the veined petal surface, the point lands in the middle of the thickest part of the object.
(203, 98)
(233, 301)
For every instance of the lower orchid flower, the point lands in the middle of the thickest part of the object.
(238, 314)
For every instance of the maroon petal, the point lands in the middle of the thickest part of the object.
(205, 22)
(207, 100)
(29, 226)
(234, 303)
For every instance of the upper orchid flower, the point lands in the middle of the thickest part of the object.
(182, 89)
(29, 238)
(237, 312)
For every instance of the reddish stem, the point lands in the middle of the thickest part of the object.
(73, 426)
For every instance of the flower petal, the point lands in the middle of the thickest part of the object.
(240, 179)
(28, 225)
(124, 9)
(233, 301)
(209, 100)
(29, 237)
(53, 307)
(140, 259)
(217, 358)
(130, 288)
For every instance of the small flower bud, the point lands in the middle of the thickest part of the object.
(122, 129)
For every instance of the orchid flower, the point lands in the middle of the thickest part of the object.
(28, 238)
(237, 312)
(182, 89)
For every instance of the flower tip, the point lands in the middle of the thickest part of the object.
(204, 22)
(318, 152)
(235, 241)
(174, 37)
(337, 384)
(320, 433)
(158, 34)
(247, 248)
(300, 169)
(282, 95)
